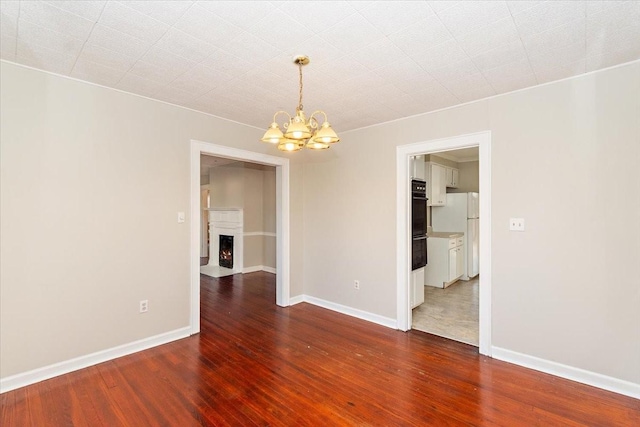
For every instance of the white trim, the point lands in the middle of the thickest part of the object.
(486, 279)
(349, 311)
(467, 159)
(31, 377)
(594, 379)
(282, 219)
(403, 262)
(296, 300)
(457, 159)
(251, 269)
(258, 233)
(255, 268)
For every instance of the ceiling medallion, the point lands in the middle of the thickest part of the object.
(301, 132)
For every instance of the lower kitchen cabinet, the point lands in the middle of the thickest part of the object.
(446, 261)
(416, 296)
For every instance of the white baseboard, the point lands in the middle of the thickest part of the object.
(31, 377)
(296, 300)
(349, 311)
(251, 269)
(255, 268)
(569, 372)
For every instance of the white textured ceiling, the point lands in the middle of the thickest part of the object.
(371, 61)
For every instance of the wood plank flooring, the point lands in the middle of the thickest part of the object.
(258, 364)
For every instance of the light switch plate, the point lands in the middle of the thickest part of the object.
(516, 224)
(180, 217)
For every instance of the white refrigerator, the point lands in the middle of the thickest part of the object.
(461, 214)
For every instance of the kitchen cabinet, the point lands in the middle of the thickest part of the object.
(452, 177)
(459, 257)
(416, 296)
(446, 260)
(453, 265)
(436, 184)
(417, 168)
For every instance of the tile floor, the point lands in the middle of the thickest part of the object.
(451, 312)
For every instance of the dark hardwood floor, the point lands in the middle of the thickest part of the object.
(258, 364)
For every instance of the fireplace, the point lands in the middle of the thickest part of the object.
(225, 253)
(226, 245)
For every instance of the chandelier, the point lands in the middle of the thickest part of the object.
(301, 132)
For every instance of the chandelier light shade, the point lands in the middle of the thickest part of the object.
(300, 132)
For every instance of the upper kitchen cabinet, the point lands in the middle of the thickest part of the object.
(452, 177)
(436, 184)
(417, 168)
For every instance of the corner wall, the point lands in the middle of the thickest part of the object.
(565, 157)
(92, 180)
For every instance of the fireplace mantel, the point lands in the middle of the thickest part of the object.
(230, 222)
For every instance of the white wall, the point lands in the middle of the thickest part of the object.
(92, 180)
(565, 290)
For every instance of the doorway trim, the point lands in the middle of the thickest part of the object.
(281, 164)
(403, 262)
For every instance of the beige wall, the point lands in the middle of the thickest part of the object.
(440, 160)
(269, 218)
(226, 186)
(252, 188)
(566, 289)
(92, 180)
(253, 198)
(269, 200)
(468, 178)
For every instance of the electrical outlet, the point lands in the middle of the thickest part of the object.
(356, 284)
(144, 306)
(516, 224)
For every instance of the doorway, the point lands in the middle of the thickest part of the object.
(198, 148)
(481, 140)
(445, 291)
(238, 217)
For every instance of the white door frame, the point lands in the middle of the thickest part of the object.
(282, 219)
(204, 246)
(403, 262)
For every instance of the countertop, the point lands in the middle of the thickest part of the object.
(444, 234)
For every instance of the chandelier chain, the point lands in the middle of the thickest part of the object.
(300, 94)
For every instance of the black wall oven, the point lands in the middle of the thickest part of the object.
(418, 224)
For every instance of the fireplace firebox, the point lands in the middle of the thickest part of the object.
(225, 254)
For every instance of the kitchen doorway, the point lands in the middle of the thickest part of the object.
(404, 154)
(445, 291)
